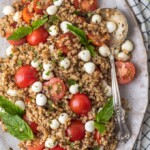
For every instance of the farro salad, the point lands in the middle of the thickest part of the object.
(55, 82)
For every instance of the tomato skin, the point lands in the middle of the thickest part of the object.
(97, 137)
(36, 146)
(16, 42)
(76, 131)
(26, 2)
(39, 35)
(54, 85)
(26, 76)
(80, 104)
(76, 4)
(57, 148)
(61, 40)
(27, 16)
(125, 72)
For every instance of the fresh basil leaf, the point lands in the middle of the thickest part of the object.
(9, 107)
(20, 33)
(71, 82)
(106, 113)
(38, 23)
(91, 49)
(100, 127)
(17, 127)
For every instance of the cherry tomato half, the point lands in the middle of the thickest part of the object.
(36, 146)
(76, 131)
(80, 104)
(98, 137)
(125, 72)
(57, 148)
(39, 35)
(62, 39)
(26, 76)
(56, 88)
(27, 16)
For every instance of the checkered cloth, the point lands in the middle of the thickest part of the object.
(141, 9)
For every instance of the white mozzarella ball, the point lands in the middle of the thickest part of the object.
(108, 91)
(104, 51)
(84, 55)
(127, 46)
(53, 30)
(48, 66)
(89, 67)
(52, 10)
(54, 124)
(116, 51)
(47, 75)
(9, 50)
(63, 118)
(104, 83)
(65, 63)
(74, 89)
(64, 26)
(89, 126)
(16, 16)
(12, 92)
(50, 143)
(58, 2)
(37, 87)
(41, 99)
(8, 10)
(35, 63)
(111, 26)
(122, 56)
(96, 18)
(20, 104)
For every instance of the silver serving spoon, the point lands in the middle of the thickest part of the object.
(117, 38)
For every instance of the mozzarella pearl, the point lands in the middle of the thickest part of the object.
(48, 66)
(104, 83)
(64, 26)
(9, 50)
(52, 10)
(50, 143)
(58, 2)
(108, 91)
(35, 63)
(127, 46)
(116, 52)
(47, 75)
(16, 16)
(104, 51)
(37, 87)
(8, 10)
(20, 104)
(89, 67)
(122, 56)
(84, 55)
(53, 30)
(96, 18)
(63, 118)
(65, 63)
(74, 89)
(111, 26)
(12, 92)
(54, 124)
(89, 126)
(41, 99)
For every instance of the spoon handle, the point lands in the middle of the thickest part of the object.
(122, 132)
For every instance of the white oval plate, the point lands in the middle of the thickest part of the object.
(136, 92)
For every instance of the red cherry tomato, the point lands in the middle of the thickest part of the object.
(125, 72)
(98, 137)
(27, 16)
(62, 39)
(40, 8)
(80, 104)
(56, 88)
(26, 76)
(26, 2)
(76, 131)
(32, 125)
(36, 146)
(39, 35)
(16, 42)
(57, 148)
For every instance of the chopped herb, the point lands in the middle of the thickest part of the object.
(48, 73)
(80, 89)
(71, 82)
(40, 66)
(96, 148)
(54, 20)
(19, 62)
(50, 105)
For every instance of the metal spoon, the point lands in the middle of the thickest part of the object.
(117, 38)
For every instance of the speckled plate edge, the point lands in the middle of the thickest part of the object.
(136, 93)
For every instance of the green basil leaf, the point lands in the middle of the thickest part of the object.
(38, 23)
(9, 107)
(91, 49)
(100, 127)
(71, 82)
(106, 113)
(17, 127)
(20, 33)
